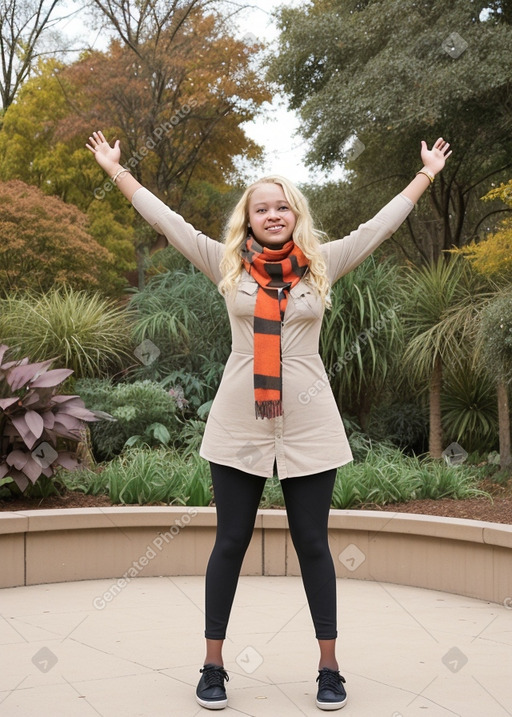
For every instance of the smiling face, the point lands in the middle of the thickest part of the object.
(270, 216)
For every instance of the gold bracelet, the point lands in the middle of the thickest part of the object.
(118, 173)
(427, 174)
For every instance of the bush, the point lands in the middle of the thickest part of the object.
(142, 409)
(470, 409)
(36, 423)
(405, 424)
(184, 315)
(388, 476)
(81, 331)
(148, 476)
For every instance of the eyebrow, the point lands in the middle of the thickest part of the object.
(278, 201)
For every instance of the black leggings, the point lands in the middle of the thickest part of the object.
(307, 499)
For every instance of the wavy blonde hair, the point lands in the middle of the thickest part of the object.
(305, 236)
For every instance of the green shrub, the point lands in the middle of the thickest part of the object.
(144, 413)
(388, 476)
(81, 331)
(405, 424)
(184, 315)
(147, 476)
(470, 409)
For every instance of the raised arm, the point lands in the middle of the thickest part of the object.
(343, 255)
(108, 158)
(199, 249)
(433, 162)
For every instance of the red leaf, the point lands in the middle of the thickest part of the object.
(48, 419)
(32, 469)
(10, 364)
(52, 378)
(20, 479)
(82, 413)
(17, 459)
(30, 399)
(18, 376)
(6, 402)
(34, 422)
(26, 434)
(67, 460)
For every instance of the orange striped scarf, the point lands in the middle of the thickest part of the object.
(276, 271)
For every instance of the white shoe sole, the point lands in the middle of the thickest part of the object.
(331, 705)
(217, 705)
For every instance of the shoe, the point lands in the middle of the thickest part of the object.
(211, 692)
(331, 693)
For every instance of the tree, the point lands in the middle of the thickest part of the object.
(44, 242)
(23, 26)
(177, 100)
(438, 302)
(495, 334)
(369, 86)
(492, 256)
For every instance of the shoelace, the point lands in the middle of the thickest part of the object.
(215, 676)
(329, 679)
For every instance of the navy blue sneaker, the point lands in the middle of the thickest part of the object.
(331, 693)
(211, 692)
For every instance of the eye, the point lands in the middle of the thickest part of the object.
(284, 208)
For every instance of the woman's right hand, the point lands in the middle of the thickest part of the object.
(107, 157)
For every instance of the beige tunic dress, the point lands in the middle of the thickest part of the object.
(309, 437)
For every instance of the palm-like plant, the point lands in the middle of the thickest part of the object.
(495, 347)
(440, 304)
(184, 315)
(469, 407)
(361, 335)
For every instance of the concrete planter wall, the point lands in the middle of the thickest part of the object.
(467, 557)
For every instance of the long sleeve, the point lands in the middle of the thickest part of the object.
(343, 255)
(204, 253)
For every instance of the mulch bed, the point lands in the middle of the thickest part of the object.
(497, 510)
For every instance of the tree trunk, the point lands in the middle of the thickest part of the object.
(435, 441)
(141, 254)
(504, 425)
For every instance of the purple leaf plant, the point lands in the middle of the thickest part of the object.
(33, 416)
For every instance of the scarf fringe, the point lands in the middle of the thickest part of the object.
(268, 409)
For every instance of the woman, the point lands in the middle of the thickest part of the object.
(274, 412)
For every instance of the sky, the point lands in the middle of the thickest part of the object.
(276, 129)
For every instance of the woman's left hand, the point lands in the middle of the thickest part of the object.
(434, 159)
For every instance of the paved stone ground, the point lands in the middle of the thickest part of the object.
(69, 650)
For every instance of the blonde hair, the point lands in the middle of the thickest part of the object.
(305, 236)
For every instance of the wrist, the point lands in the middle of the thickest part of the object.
(111, 169)
(427, 173)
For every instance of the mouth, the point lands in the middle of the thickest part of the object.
(275, 228)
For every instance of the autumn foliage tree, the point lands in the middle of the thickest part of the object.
(175, 88)
(45, 243)
(371, 79)
(492, 256)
